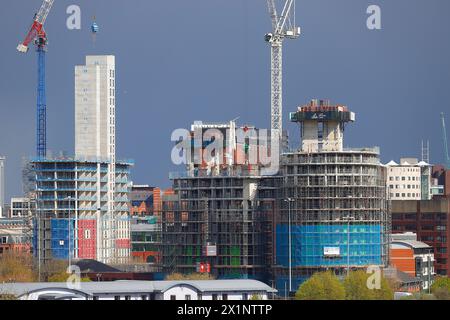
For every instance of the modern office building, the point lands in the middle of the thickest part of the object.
(409, 179)
(334, 212)
(429, 219)
(413, 257)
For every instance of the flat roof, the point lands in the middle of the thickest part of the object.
(410, 243)
(133, 286)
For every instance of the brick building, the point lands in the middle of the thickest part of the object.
(413, 257)
(429, 219)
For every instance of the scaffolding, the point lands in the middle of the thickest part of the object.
(339, 204)
(218, 211)
(68, 189)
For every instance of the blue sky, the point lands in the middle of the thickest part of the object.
(179, 61)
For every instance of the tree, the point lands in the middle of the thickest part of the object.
(385, 292)
(63, 276)
(56, 271)
(441, 288)
(321, 286)
(191, 276)
(356, 288)
(16, 267)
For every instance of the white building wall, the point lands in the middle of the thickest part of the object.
(95, 137)
(94, 107)
(404, 181)
(20, 207)
(180, 292)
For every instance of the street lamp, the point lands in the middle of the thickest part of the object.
(289, 200)
(348, 219)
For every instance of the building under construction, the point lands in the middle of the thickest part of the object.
(75, 217)
(220, 217)
(333, 201)
(329, 203)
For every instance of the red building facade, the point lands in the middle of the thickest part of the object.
(429, 219)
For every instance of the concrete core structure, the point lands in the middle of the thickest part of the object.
(95, 108)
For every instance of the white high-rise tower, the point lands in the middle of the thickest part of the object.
(95, 134)
(95, 108)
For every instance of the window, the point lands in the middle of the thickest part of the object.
(214, 296)
(427, 216)
(224, 296)
(245, 296)
(187, 297)
(95, 298)
(127, 297)
(441, 250)
(116, 297)
(144, 297)
(173, 297)
(199, 296)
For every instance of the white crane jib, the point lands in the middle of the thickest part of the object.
(284, 26)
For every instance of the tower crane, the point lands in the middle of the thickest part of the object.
(283, 26)
(444, 139)
(38, 35)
